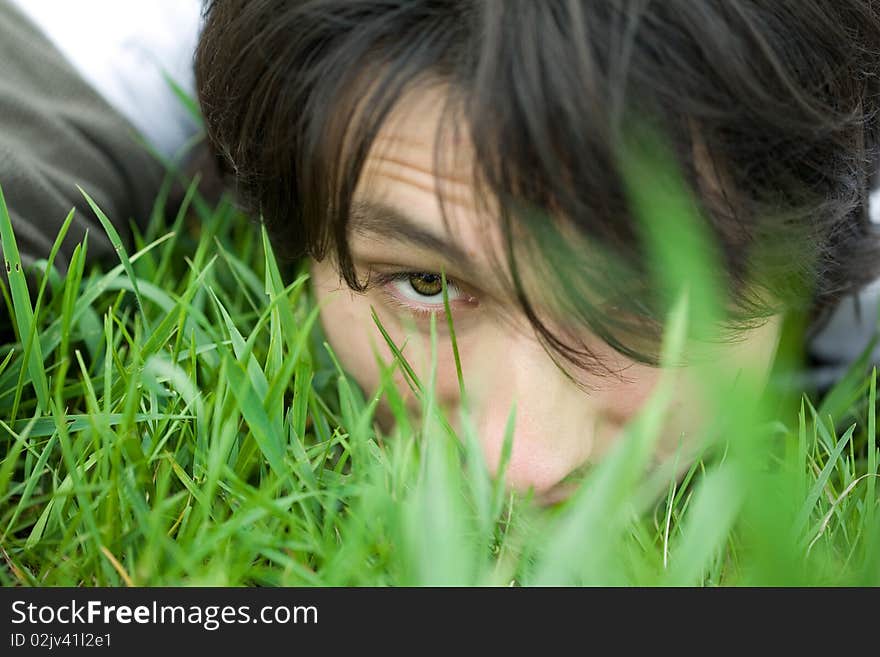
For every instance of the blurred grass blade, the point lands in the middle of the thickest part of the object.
(707, 525)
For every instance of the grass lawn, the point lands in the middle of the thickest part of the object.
(178, 420)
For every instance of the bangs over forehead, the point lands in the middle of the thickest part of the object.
(768, 107)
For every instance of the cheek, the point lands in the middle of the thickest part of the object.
(348, 325)
(345, 318)
(682, 421)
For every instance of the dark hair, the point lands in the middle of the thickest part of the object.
(777, 98)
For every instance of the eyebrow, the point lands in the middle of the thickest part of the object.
(376, 219)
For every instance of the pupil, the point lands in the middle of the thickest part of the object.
(427, 285)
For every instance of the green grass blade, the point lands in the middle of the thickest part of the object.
(119, 247)
(24, 312)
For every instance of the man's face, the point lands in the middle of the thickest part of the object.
(400, 240)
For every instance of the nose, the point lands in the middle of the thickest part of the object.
(554, 419)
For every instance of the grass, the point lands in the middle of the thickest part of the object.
(177, 419)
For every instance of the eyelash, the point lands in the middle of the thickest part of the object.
(386, 283)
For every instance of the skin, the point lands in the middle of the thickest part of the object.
(560, 427)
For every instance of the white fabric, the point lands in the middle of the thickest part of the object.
(124, 48)
(874, 206)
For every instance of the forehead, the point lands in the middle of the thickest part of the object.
(421, 166)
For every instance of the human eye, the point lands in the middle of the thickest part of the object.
(421, 292)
